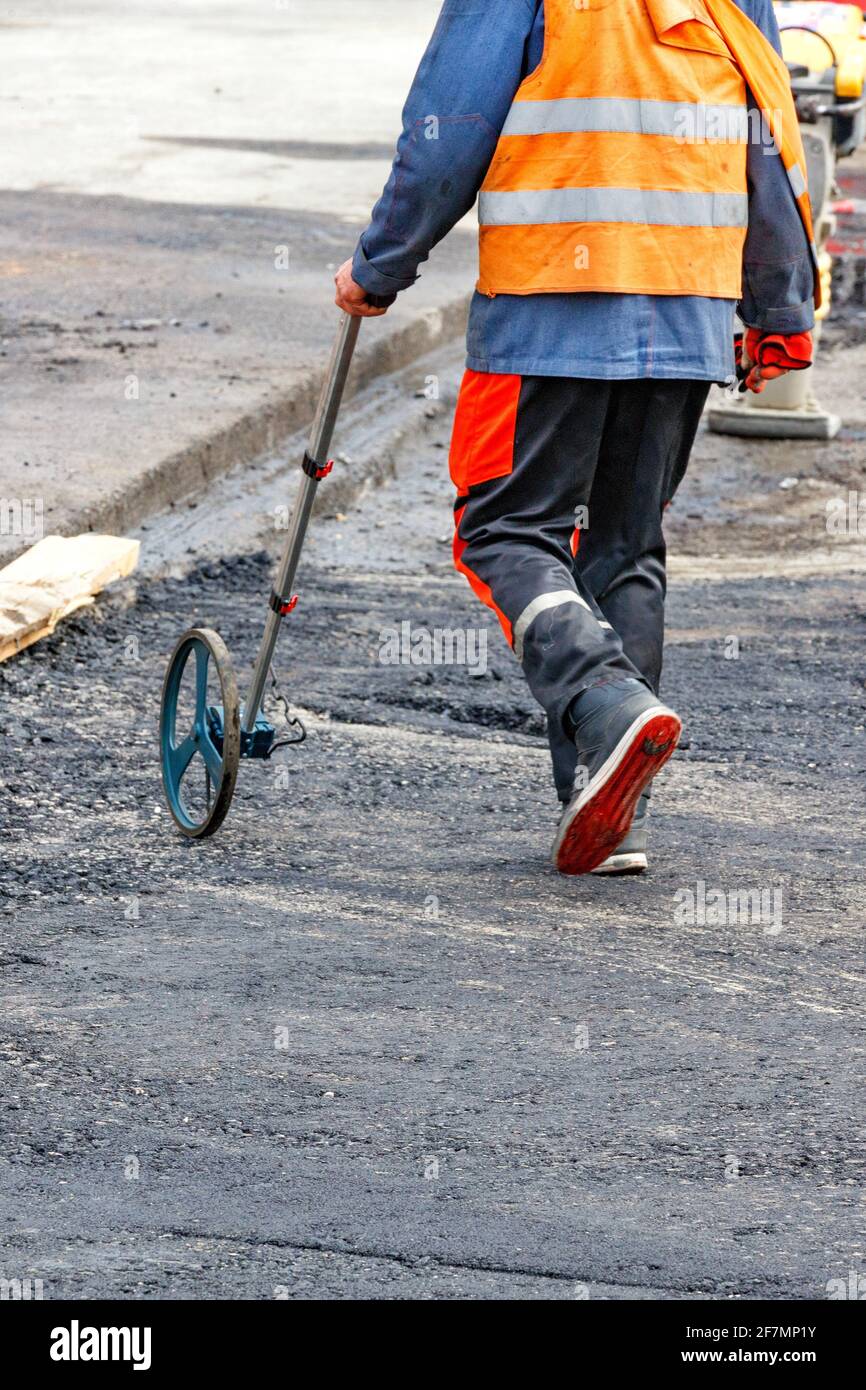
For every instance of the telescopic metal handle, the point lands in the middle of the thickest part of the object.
(328, 408)
(321, 435)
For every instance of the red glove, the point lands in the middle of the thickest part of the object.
(770, 355)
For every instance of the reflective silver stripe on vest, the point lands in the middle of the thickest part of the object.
(652, 206)
(796, 180)
(688, 121)
(540, 605)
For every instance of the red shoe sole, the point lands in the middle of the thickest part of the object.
(602, 822)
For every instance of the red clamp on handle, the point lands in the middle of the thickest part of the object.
(316, 470)
(282, 607)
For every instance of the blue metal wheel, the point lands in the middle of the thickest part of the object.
(200, 733)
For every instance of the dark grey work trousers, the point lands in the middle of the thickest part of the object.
(561, 490)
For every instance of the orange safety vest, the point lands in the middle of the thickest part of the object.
(622, 163)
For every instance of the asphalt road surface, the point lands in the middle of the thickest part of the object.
(366, 1042)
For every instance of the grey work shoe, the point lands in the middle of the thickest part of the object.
(629, 857)
(624, 736)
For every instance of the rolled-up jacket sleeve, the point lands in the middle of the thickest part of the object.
(452, 120)
(778, 273)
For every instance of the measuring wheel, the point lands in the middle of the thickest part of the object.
(200, 733)
(204, 730)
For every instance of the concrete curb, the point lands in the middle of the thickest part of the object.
(182, 475)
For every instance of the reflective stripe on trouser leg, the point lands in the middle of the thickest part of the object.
(540, 605)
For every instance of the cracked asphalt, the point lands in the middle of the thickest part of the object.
(365, 1043)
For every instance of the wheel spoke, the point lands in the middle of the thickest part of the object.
(181, 756)
(213, 760)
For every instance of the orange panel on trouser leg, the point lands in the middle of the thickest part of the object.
(483, 590)
(482, 444)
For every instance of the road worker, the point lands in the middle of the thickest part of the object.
(641, 178)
